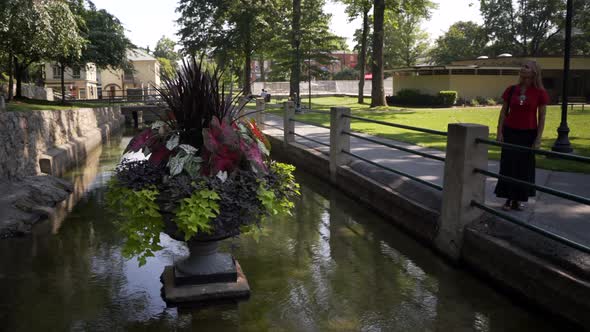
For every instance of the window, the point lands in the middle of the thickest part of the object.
(56, 72)
(488, 72)
(128, 75)
(440, 72)
(76, 73)
(510, 72)
(463, 71)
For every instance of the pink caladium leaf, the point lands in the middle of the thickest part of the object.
(254, 156)
(160, 155)
(140, 140)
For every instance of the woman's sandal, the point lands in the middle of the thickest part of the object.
(507, 206)
(518, 206)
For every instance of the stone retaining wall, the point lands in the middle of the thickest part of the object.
(28, 137)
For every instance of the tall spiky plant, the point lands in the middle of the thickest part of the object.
(195, 97)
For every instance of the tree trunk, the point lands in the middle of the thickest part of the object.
(377, 93)
(11, 60)
(18, 73)
(295, 43)
(363, 57)
(262, 73)
(248, 69)
(62, 70)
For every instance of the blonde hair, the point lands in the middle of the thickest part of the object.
(535, 69)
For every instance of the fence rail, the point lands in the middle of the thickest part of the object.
(397, 125)
(553, 154)
(309, 123)
(393, 170)
(465, 170)
(532, 227)
(394, 146)
(551, 191)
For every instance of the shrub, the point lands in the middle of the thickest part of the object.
(412, 97)
(491, 102)
(474, 102)
(481, 100)
(347, 74)
(448, 98)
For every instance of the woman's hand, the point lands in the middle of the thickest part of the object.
(537, 143)
(500, 137)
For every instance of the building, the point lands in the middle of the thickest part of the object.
(341, 60)
(87, 83)
(488, 78)
(145, 76)
(80, 82)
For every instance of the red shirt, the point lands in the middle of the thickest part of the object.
(524, 116)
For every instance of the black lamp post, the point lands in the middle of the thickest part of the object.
(562, 143)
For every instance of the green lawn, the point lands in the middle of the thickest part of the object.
(37, 105)
(439, 118)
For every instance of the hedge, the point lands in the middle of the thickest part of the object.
(412, 97)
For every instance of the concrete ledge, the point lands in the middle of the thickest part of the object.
(58, 160)
(417, 219)
(529, 277)
(176, 294)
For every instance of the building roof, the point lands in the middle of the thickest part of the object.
(446, 67)
(139, 55)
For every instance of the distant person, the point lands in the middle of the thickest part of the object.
(521, 122)
(263, 94)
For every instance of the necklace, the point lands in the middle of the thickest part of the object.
(522, 97)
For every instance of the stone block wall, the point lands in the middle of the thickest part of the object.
(26, 136)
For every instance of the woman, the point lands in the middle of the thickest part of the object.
(521, 122)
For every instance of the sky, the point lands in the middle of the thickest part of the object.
(147, 20)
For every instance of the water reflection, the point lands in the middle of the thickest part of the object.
(333, 266)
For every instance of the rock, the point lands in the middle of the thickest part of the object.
(26, 201)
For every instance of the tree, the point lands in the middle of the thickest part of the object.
(165, 49)
(463, 40)
(523, 27)
(167, 67)
(405, 42)
(295, 50)
(377, 92)
(420, 8)
(167, 56)
(107, 44)
(228, 30)
(354, 9)
(24, 32)
(67, 43)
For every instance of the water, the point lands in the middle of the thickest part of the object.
(333, 266)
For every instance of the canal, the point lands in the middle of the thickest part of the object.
(332, 266)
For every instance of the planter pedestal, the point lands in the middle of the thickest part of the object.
(205, 275)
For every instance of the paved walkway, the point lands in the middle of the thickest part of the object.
(560, 216)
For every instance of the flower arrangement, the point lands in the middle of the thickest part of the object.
(205, 172)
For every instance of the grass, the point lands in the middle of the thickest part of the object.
(23, 105)
(439, 118)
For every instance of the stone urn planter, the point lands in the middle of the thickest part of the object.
(205, 274)
(203, 174)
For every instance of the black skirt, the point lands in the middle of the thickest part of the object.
(517, 164)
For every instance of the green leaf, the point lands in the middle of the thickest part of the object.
(172, 142)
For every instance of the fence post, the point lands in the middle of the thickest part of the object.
(461, 185)
(288, 125)
(338, 141)
(259, 115)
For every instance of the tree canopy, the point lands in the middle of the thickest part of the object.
(524, 27)
(463, 40)
(405, 41)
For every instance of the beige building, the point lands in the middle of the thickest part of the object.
(80, 82)
(145, 76)
(488, 78)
